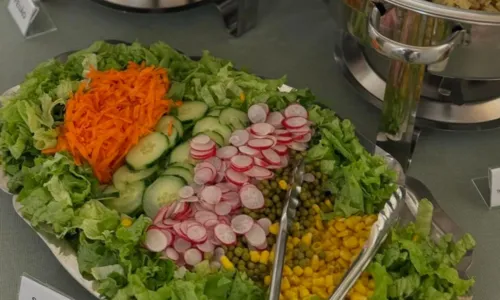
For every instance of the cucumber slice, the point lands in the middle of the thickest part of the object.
(216, 137)
(123, 176)
(149, 149)
(180, 154)
(235, 118)
(160, 193)
(214, 113)
(213, 124)
(164, 123)
(186, 166)
(191, 110)
(181, 172)
(130, 199)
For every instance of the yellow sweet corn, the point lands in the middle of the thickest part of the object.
(274, 228)
(308, 271)
(283, 185)
(320, 281)
(315, 262)
(126, 221)
(304, 292)
(242, 97)
(307, 238)
(351, 242)
(297, 270)
(329, 280)
(307, 283)
(320, 292)
(343, 233)
(358, 296)
(295, 241)
(316, 208)
(330, 289)
(267, 280)
(295, 280)
(328, 203)
(345, 255)
(226, 263)
(264, 257)
(290, 295)
(254, 256)
(285, 284)
(271, 256)
(287, 271)
(340, 226)
(319, 224)
(371, 284)
(360, 288)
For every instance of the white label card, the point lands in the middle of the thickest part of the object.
(494, 179)
(30, 289)
(23, 12)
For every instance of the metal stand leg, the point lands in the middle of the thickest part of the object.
(239, 15)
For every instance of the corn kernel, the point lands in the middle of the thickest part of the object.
(274, 228)
(271, 256)
(282, 297)
(242, 97)
(264, 257)
(344, 233)
(303, 292)
(369, 220)
(283, 185)
(337, 277)
(344, 264)
(320, 281)
(340, 226)
(254, 256)
(329, 280)
(267, 280)
(287, 271)
(360, 226)
(226, 263)
(316, 208)
(308, 271)
(335, 241)
(331, 223)
(126, 221)
(329, 256)
(295, 280)
(320, 292)
(371, 284)
(369, 294)
(290, 294)
(336, 253)
(351, 242)
(295, 241)
(307, 283)
(306, 239)
(316, 247)
(328, 203)
(330, 289)
(319, 225)
(285, 284)
(315, 262)
(357, 296)
(297, 270)
(360, 288)
(361, 241)
(345, 255)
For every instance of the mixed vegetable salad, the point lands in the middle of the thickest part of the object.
(168, 176)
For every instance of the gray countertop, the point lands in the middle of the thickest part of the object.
(293, 37)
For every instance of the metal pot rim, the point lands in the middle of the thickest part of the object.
(449, 13)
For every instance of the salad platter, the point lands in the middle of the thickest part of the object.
(150, 175)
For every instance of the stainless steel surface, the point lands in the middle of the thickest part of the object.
(447, 115)
(289, 211)
(149, 5)
(387, 217)
(408, 53)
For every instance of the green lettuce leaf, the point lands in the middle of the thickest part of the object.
(95, 219)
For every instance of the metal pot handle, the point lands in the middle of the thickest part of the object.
(407, 53)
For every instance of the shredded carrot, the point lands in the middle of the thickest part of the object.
(107, 116)
(169, 129)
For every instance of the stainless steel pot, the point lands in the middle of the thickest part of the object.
(458, 43)
(150, 5)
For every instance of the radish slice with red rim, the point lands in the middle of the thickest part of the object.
(224, 188)
(181, 244)
(156, 241)
(225, 234)
(203, 176)
(169, 222)
(241, 163)
(211, 223)
(308, 177)
(193, 257)
(296, 110)
(284, 140)
(256, 236)
(161, 214)
(239, 137)
(249, 151)
(196, 187)
(303, 129)
(201, 139)
(304, 138)
(197, 233)
(206, 247)
(262, 129)
(171, 254)
(260, 162)
(271, 156)
(242, 224)
(191, 199)
(223, 208)
(294, 122)
(203, 216)
(264, 106)
(186, 191)
(215, 161)
(275, 118)
(257, 114)
(202, 147)
(265, 223)
(251, 197)
(257, 171)
(282, 132)
(227, 152)
(298, 146)
(169, 235)
(211, 194)
(230, 196)
(234, 202)
(281, 149)
(261, 144)
(283, 161)
(236, 177)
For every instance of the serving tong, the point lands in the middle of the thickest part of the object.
(387, 217)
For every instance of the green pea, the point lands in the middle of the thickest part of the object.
(260, 186)
(300, 255)
(274, 184)
(245, 256)
(268, 202)
(235, 260)
(250, 265)
(250, 272)
(238, 251)
(241, 268)
(321, 255)
(262, 267)
(309, 254)
(229, 255)
(276, 199)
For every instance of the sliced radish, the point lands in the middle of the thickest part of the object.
(211, 194)
(223, 208)
(308, 177)
(216, 162)
(169, 222)
(261, 144)
(197, 233)
(191, 199)
(201, 139)
(171, 253)
(281, 149)
(303, 129)
(225, 234)
(224, 188)
(203, 176)
(260, 162)
(178, 231)
(283, 161)
(265, 223)
(296, 110)
(282, 132)
(202, 147)
(262, 247)
(298, 146)
(239, 137)
(262, 129)
(211, 223)
(193, 257)
(249, 151)
(203, 216)
(275, 118)
(206, 206)
(169, 236)
(236, 177)
(186, 191)
(227, 152)
(156, 241)
(234, 202)
(205, 164)
(294, 122)
(257, 114)
(251, 197)
(196, 187)
(284, 140)
(220, 177)
(256, 236)
(206, 247)
(304, 138)
(230, 196)
(264, 106)
(271, 156)
(161, 214)
(213, 239)
(201, 155)
(242, 224)
(181, 245)
(241, 163)
(257, 171)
